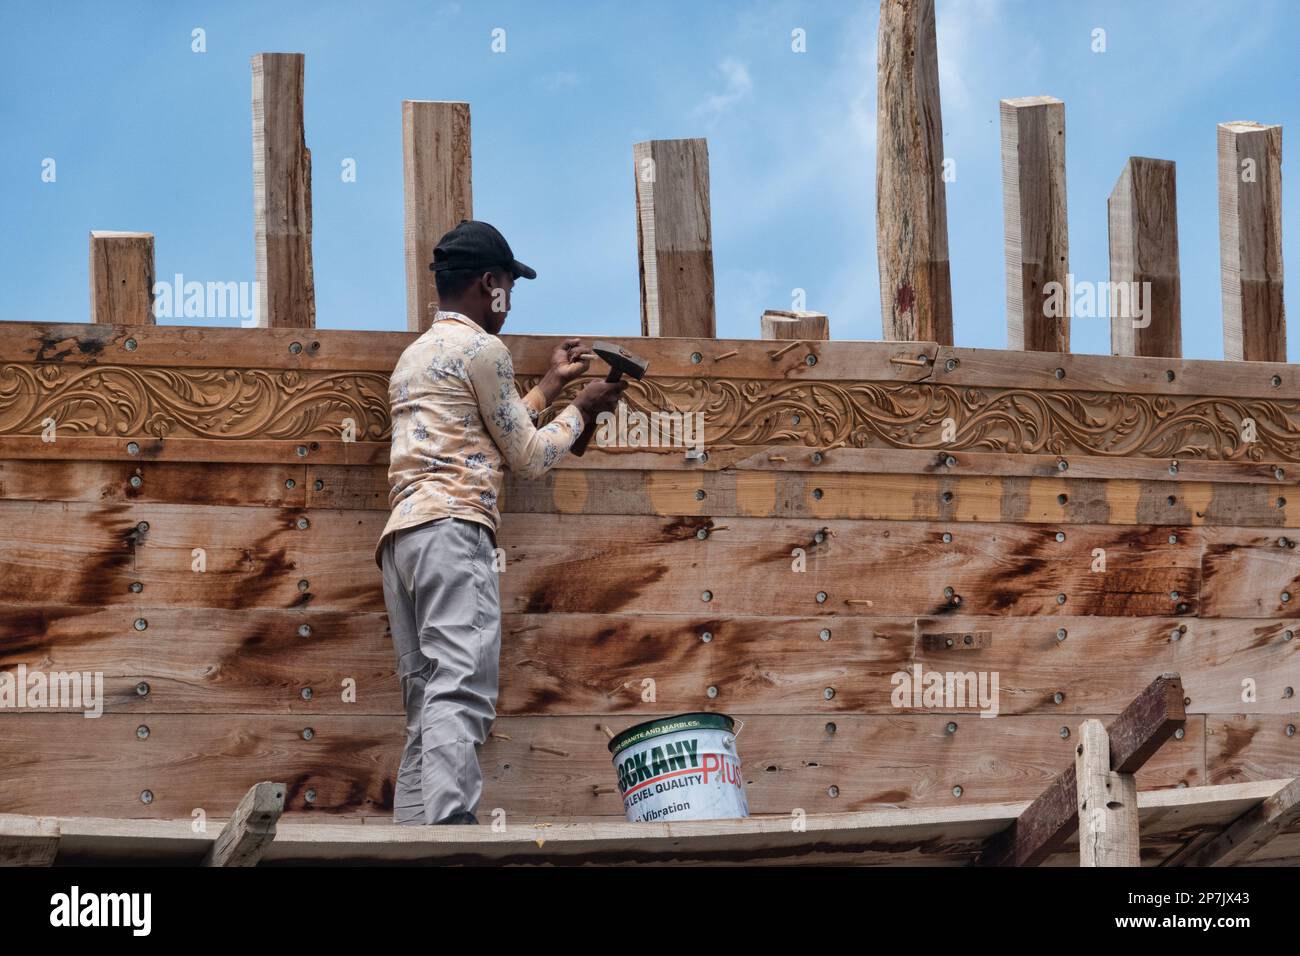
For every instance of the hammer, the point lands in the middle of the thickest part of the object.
(621, 362)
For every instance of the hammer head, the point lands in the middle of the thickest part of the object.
(621, 360)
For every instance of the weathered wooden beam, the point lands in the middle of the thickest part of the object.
(121, 278)
(802, 326)
(1250, 241)
(1145, 298)
(286, 292)
(1035, 224)
(28, 841)
(911, 208)
(250, 829)
(1249, 832)
(436, 178)
(1134, 736)
(674, 237)
(1107, 803)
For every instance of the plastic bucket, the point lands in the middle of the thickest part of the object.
(680, 768)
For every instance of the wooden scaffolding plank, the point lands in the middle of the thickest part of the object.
(250, 829)
(122, 278)
(1145, 306)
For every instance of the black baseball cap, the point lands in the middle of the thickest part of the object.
(477, 245)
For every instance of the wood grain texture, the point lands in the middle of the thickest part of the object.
(674, 238)
(778, 324)
(1145, 305)
(437, 190)
(1250, 241)
(282, 194)
(1107, 803)
(911, 207)
(1035, 223)
(121, 278)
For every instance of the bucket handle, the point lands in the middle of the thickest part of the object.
(740, 725)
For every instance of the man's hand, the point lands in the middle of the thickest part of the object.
(599, 396)
(567, 363)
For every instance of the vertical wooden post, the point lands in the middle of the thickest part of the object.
(1250, 241)
(286, 293)
(436, 182)
(1034, 217)
(1145, 303)
(911, 207)
(674, 237)
(802, 326)
(1108, 807)
(121, 278)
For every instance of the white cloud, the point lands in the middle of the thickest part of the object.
(562, 80)
(737, 87)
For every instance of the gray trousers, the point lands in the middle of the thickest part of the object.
(444, 612)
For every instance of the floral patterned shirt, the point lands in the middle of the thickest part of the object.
(457, 421)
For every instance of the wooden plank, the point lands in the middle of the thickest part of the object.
(437, 190)
(1250, 241)
(540, 767)
(121, 278)
(911, 207)
(795, 326)
(1135, 736)
(251, 828)
(1242, 747)
(178, 482)
(1107, 803)
(674, 238)
(1145, 307)
(28, 841)
(1035, 222)
(286, 290)
(180, 347)
(1250, 832)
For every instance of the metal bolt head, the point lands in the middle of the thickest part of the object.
(295, 347)
(828, 693)
(1290, 730)
(811, 359)
(290, 483)
(1173, 539)
(1061, 634)
(957, 791)
(711, 691)
(136, 481)
(817, 494)
(1180, 733)
(130, 345)
(1176, 635)
(1173, 468)
(308, 733)
(949, 642)
(832, 791)
(1279, 474)
(701, 533)
(699, 494)
(819, 537)
(310, 795)
(947, 537)
(1281, 542)
(303, 524)
(831, 728)
(142, 689)
(1169, 375)
(304, 585)
(1171, 501)
(816, 458)
(821, 597)
(1060, 536)
(136, 587)
(1060, 599)
(142, 732)
(1173, 595)
(1287, 635)
(305, 693)
(318, 485)
(706, 596)
(142, 527)
(1058, 697)
(952, 727)
(132, 448)
(706, 637)
(1288, 693)
(1276, 380)
(1062, 499)
(825, 634)
(1059, 373)
(304, 630)
(1286, 597)
(950, 365)
(948, 593)
(140, 624)
(796, 418)
(302, 451)
(146, 796)
(696, 358)
(950, 461)
(1062, 465)
(1065, 733)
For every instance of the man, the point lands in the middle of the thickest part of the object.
(458, 422)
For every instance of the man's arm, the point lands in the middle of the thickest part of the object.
(528, 450)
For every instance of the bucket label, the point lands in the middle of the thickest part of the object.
(681, 779)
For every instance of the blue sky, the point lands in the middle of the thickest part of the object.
(148, 135)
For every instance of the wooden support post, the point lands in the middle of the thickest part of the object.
(674, 237)
(1250, 241)
(1134, 736)
(1035, 224)
(1254, 828)
(1145, 303)
(438, 194)
(911, 207)
(121, 278)
(250, 828)
(804, 326)
(1107, 802)
(286, 292)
